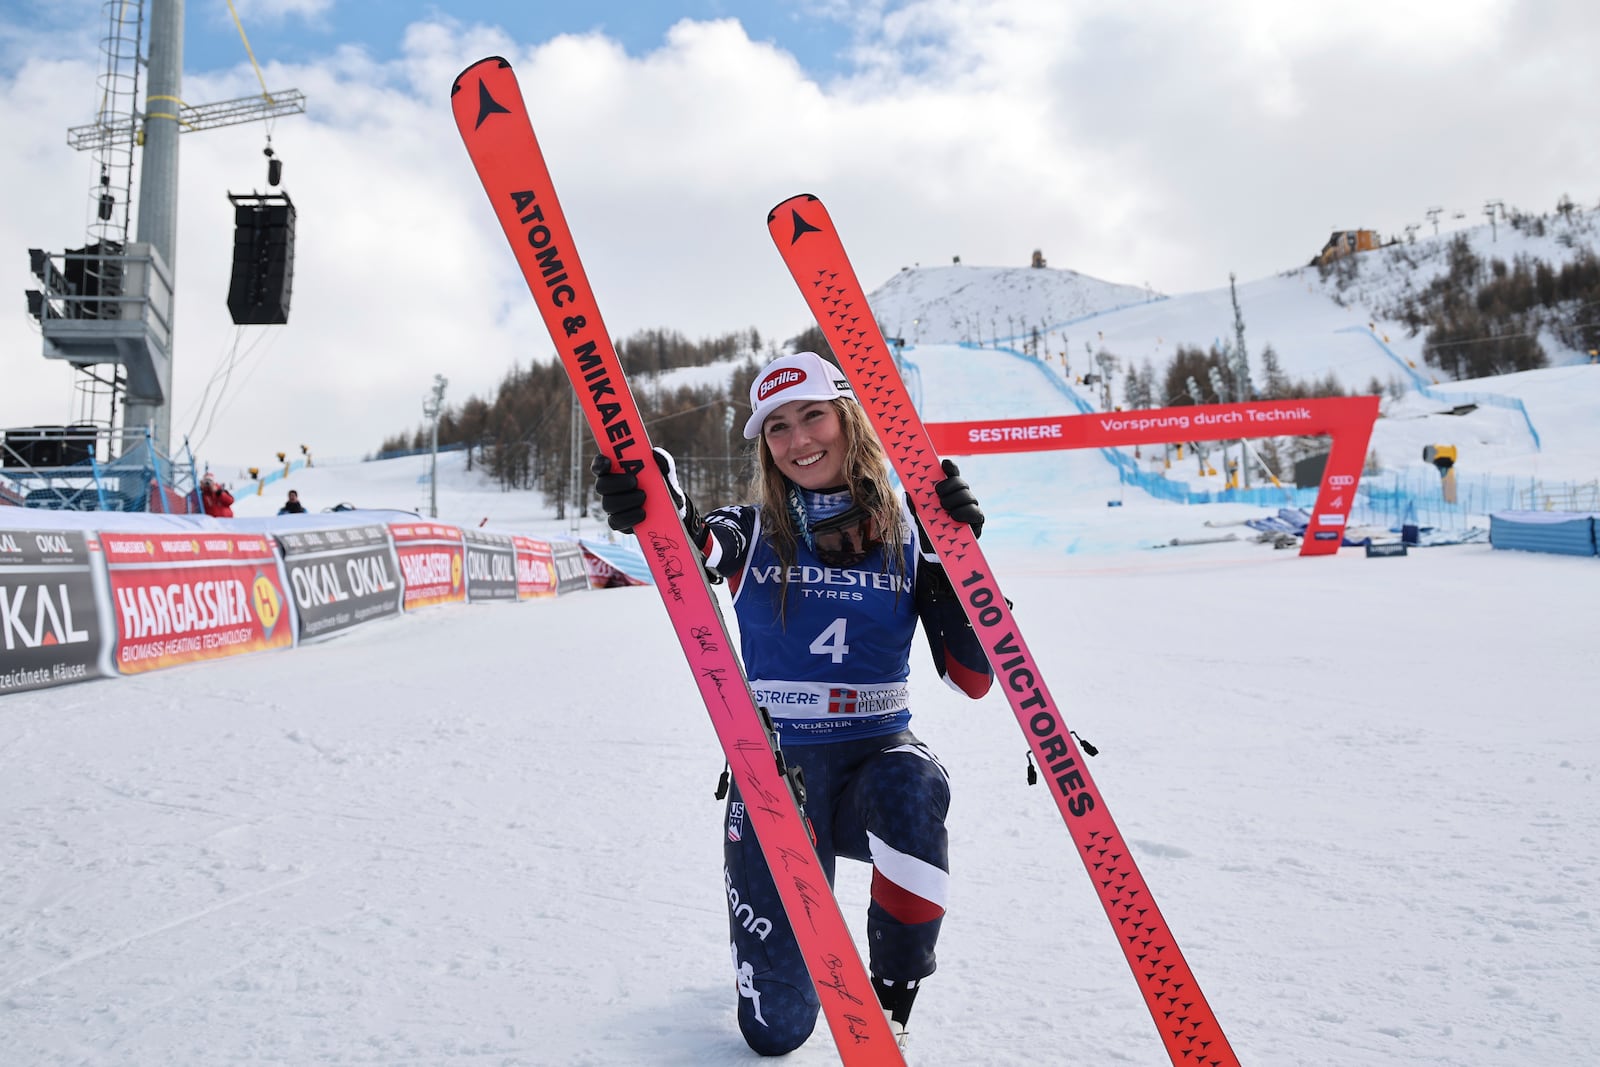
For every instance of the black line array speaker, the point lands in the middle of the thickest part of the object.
(78, 443)
(35, 446)
(263, 259)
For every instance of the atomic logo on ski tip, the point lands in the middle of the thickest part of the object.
(488, 105)
(801, 226)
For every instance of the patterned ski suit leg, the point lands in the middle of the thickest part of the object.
(881, 800)
(892, 815)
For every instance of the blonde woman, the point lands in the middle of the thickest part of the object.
(829, 578)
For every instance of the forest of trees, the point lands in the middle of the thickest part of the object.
(1483, 318)
(522, 437)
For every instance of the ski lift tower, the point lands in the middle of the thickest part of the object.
(108, 309)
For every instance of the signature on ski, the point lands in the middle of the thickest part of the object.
(809, 900)
(702, 635)
(835, 980)
(716, 674)
(768, 798)
(858, 1028)
(787, 854)
(671, 566)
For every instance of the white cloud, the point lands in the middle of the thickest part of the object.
(1151, 143)
(279, 9)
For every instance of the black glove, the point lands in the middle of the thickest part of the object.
(955, 496)
(623, 500)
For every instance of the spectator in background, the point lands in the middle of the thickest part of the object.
(215, 499)
(292, 506)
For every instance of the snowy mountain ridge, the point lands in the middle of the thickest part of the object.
(957, 303)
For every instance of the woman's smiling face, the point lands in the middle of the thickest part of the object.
(807, 443)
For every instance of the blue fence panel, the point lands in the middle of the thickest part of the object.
(1541, 531)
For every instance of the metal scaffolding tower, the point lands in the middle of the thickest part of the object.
(108, 308)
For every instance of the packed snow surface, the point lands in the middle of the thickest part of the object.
(1363, 792)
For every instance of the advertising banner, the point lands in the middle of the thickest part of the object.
(572, 573)
(1346, 420)
(536, 568)
(431, 563)
(182, 597)
(602, 575)
(491, 566)
(340, 578)
(50, 625)
(613, 564)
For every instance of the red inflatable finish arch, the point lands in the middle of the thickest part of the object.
(1347, 420)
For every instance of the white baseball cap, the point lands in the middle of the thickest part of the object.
(802, 376)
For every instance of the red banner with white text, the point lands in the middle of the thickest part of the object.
(536, 568)
(432, 561)
(183, 597)
(1347, 420)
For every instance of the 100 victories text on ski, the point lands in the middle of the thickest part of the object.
(805, 236)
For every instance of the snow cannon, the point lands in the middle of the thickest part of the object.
(1444, 458)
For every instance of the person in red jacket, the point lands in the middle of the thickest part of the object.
(215, 499)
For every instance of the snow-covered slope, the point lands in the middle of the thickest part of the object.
(958, 303)
(1535, 424)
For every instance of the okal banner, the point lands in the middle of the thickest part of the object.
(1347, 420)
(431, 563)
(572, 573)
(50, 621)
(536, 568)
(182, 597)
(491, 566)
(341, 577)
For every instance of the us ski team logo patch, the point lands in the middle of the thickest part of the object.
(735, 821)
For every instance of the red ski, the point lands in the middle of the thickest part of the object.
(810, 246)
(494, 123)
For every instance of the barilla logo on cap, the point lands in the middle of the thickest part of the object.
(779, 379)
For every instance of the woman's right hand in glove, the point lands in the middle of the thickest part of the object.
(620, 495)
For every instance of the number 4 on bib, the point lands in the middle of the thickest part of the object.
(831, 643)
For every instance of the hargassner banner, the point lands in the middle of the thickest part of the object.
(491, 566)
(341, 578)
(536, 568)
(185, 596)
(431, 564)
(50, 621)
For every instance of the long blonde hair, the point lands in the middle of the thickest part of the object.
(866, 475)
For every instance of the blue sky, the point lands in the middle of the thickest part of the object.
(1154, 143)
(303, 31)
(639, 26)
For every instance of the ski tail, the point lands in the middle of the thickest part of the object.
(494, 124)
(810, 246)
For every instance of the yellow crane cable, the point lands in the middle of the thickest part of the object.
(247, 51)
